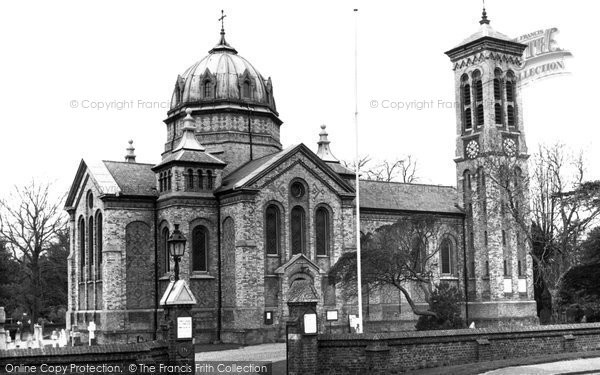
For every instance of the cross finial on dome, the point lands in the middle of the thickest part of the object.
(484, 19)
(130, 157)
(324, 152)
(223, 45)
(222, 19)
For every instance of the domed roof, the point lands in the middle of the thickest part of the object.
(223, 76)
(485, 30)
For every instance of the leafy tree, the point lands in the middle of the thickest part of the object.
(54, 278)
(445, 302)
(579, 293)
(395, 255)
(590, 247)
(30, 222)
(8, 278)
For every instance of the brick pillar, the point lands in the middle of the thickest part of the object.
(302, 349)
(178, 324)
(483, 350)
(378, 359)
(181, 349)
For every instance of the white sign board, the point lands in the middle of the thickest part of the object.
(523, 285)
(508, 286)
(332, 315)
(354, 322)
(310, 323)
(184, 327)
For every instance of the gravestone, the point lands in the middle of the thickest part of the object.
(37, 335)
(91, 333)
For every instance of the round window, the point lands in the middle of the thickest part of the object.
(297, 189)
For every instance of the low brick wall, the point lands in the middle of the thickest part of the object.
(119, 355)
(405, 351)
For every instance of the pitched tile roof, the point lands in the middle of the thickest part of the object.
(191, 156)
(244, 173)
(133, 178)
(382, 195)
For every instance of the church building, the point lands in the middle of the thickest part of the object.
(264, 224)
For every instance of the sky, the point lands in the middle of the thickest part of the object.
(60, 58)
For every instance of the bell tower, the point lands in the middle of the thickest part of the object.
(491, 166)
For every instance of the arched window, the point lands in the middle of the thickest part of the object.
(272, 231)
(322, 228)
(478, 86)
(479, 115)
(510, 87)
(208, 89)
(468, 120)
(209, 180)
(160, 182)
(90, 199)
(467, 183)
(200, 180)
(466, 94)
(164, 250)
(298, 230)
(487, 268)
(190, 176)
(81, 230)
(446, 256)
(246, 89)
(199, 249)
(90, 247)
(510, 113)
(169, 180)
(503, 238)
(498, 113)
(485, 238)
(99, 245)
(497, 91)
(418, 254)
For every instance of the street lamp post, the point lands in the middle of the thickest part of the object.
(177, 248)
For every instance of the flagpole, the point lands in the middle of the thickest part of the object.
(357, 170)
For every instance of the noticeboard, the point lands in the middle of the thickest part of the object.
(184, 327)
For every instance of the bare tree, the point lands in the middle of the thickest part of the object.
(399, 170)
(562, 206)
(395, 255)
(30, 221)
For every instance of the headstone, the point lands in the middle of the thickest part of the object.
(30, 342)
(91, 332)
(18, 337)
(62, 338)
(38, 337)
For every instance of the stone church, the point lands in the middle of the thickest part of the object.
(264, 224)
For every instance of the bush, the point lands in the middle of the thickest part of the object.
(579, 293)
(445, 302)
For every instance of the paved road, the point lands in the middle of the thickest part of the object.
(257, 353)
(577, 366)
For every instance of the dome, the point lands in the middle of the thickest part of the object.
(223, 77)
(485, 30)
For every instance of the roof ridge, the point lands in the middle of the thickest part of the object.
(410, 183)
(125, 162)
